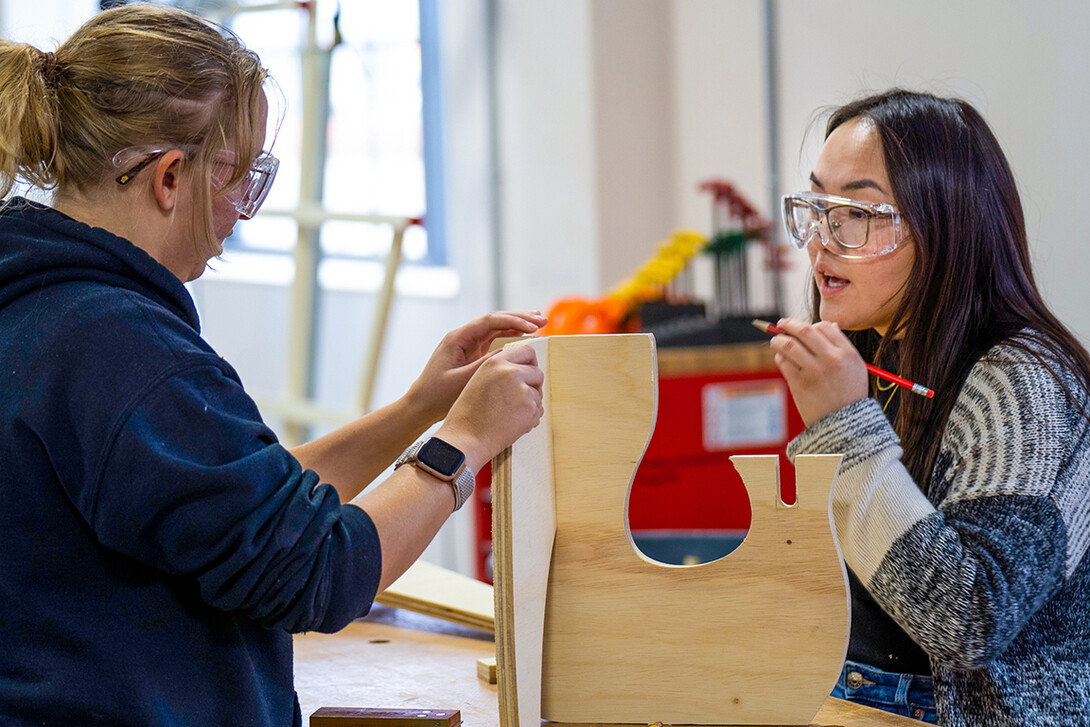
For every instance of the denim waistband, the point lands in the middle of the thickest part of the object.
(909, 695)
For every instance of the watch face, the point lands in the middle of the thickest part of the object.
(441, 457)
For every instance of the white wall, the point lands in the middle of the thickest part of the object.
(586, 143)
(634, 140)
(43, 23)
(546, 174)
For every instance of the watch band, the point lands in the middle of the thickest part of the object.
(462, 484)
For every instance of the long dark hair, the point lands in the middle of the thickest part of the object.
(972, 285)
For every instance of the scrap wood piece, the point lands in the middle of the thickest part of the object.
(436, 591)
(486, 670)
(378, 717)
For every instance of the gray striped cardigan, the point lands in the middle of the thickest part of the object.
(986, 571)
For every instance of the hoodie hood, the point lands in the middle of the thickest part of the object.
(40, 246)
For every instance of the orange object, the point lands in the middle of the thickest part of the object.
(614, 313)
(577, 316)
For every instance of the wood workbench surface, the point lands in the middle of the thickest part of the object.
(396, 658)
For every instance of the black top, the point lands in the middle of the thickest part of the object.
(876, 639)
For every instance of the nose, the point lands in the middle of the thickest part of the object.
(815, 228)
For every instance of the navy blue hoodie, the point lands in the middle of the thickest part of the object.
(158, 545)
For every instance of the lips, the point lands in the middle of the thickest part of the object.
(828, 283)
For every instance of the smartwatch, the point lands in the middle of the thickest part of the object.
(442, 461)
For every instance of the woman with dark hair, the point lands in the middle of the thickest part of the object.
(964, 518)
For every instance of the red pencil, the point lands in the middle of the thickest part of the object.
(774, 330)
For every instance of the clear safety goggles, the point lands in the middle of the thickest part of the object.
(845, 227)
(247, 196)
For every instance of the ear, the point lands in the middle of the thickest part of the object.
(168, 177)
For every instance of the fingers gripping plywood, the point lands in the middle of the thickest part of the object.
(757, 637)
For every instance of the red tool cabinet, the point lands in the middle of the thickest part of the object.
(713, 402)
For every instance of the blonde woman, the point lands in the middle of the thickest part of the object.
(160, 547)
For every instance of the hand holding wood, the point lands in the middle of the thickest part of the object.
(459, 355)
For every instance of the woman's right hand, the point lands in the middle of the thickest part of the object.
(458, 356)
(823, 369)
(501, 402)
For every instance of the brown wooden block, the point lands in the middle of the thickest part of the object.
(379, 717)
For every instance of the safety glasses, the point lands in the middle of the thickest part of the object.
(255, 185)
(247, 196)
(845, 227)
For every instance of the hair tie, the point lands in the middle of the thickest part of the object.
(49, 67)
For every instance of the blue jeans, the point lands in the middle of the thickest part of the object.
(908, 695)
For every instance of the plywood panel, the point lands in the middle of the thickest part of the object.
(522, 546)
(757, 637)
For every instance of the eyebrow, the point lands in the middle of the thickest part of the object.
(853, 185)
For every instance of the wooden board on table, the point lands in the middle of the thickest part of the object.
(436, 591)
(626, 639)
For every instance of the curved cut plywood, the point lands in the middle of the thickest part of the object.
(756, 637)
